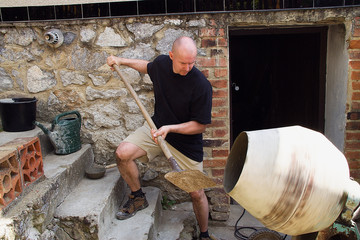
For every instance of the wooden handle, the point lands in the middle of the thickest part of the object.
(111, 166)
(152, 125)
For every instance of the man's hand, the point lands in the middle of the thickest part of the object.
(137, 64)
(161, 132)
(113, 60)
(191, 127)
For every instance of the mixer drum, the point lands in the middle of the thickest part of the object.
(292, 179)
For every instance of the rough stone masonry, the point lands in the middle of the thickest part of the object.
(75, 76)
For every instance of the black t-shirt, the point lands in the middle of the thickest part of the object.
(180, 99)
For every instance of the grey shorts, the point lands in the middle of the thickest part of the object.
(142, 138)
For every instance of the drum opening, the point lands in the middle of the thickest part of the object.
(235, 162)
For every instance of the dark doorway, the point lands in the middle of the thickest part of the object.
(277, 78)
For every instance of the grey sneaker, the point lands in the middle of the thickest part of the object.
(133, 205)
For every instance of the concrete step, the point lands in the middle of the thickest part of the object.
(177, 222)
(33, 210)
(89, 211)
(144, 225)
(66, 171)
(46, 146)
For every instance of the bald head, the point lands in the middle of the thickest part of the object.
(184, 44)
(183, 55)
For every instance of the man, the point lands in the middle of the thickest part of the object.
(183, 98)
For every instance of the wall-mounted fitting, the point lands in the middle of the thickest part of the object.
(54, 38)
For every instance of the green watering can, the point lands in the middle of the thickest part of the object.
(65, 132)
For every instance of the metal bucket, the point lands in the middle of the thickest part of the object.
(292, 179)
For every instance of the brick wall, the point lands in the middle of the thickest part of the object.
(352, 134)
(216, 69)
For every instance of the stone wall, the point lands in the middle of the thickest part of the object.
(75, 76)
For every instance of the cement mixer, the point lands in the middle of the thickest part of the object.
(294, 181)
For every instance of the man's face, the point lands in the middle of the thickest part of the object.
(182, 62)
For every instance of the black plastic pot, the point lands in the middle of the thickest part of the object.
(18, 114)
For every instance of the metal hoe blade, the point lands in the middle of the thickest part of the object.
(190, 180)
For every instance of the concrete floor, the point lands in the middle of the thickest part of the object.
(172, 223)
(226, 230)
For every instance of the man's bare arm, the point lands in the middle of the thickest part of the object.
(137, 64)
(187, 128)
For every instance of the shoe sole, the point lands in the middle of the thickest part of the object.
(132, 214)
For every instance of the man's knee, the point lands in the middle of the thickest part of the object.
(126, 152)
(198, 196)
(122, 154)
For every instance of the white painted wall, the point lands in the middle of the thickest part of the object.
(336, 86)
